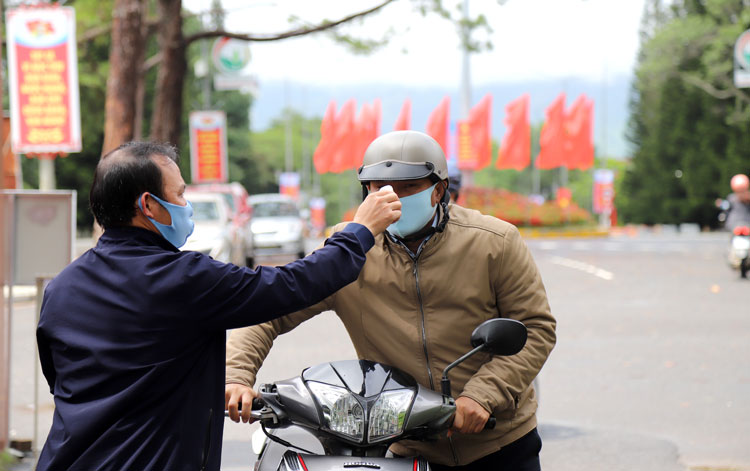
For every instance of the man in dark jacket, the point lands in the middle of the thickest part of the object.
(131, 334)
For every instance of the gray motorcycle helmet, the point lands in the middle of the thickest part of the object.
(403, 155)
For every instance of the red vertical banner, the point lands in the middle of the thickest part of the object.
(465, 153)
(208, 147)
(604, 191)
(318, 215)
(43, 80)
(289, 184)
(515, 148)
(11, 174)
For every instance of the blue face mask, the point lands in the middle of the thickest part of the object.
(182, 225)
(416, 212)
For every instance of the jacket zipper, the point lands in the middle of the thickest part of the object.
(415, 271)
(421, 310)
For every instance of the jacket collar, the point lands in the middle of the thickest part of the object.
(430, 245)
(131, 235)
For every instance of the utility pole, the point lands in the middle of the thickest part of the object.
(288, 155)
(306, 153)
(206, 89)
(466, 175)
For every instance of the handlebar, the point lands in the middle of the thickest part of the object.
(491, 422)
(256, 405)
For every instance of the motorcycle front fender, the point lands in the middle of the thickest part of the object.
(293, 462)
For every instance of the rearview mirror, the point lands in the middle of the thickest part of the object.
(500, 336)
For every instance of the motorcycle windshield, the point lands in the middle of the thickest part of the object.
(361, 377)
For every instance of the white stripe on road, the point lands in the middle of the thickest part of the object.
(584, 267)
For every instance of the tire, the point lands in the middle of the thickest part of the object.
(744, 266)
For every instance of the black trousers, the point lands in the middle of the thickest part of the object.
(521, 455)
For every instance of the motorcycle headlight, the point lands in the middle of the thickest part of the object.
(388, 415)
(342, 413)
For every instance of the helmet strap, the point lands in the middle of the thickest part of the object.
(446, 216)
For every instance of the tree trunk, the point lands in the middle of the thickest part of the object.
(166, 118)
(125, 58)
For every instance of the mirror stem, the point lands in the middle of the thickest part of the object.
(445, 383)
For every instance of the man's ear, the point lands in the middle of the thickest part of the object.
(144, 203)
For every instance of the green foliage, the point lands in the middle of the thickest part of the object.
(688, 122)
(76, 170)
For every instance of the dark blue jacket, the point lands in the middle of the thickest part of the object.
(132, 343)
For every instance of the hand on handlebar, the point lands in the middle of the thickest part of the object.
(238, 396)
(470, 416)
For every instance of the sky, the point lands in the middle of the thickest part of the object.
(539, 46)
(532, 39)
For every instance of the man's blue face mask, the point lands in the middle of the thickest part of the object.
(182, 225)
(416, 212)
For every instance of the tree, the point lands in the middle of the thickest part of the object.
(165, 120)
(688, 122)
(126, 55)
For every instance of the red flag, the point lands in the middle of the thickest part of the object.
(367, 129)
(377, 119)
(515, 149)
(479, 121)
(403, 122)
(345, 138)
(579, 146)
(552, 138)
(437, 123)
(323, 153)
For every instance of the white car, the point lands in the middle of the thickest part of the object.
(212, 233)
(276, 225)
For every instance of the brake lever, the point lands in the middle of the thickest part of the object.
(259, 411)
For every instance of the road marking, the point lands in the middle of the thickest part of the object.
(584, 267)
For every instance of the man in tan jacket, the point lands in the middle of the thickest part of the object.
(428, 282)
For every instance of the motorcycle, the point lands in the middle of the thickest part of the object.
(740, 247)
(351, 411)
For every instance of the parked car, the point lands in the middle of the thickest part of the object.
(213, 226)
(240, 213)
(276, 225)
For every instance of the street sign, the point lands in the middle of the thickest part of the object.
(289, 184)
(230, 57)
(43, 80)
(208, 147)
(38, 239)
(742, 60)
(604, 191)
(318, 214)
